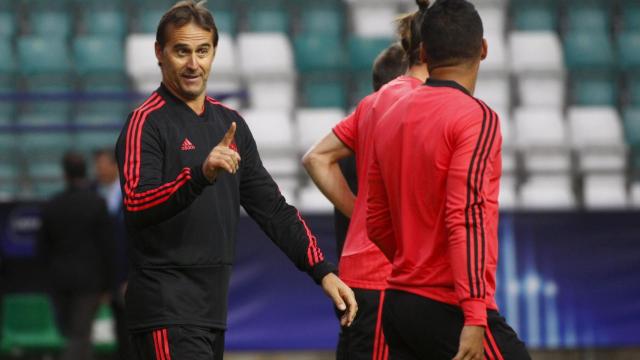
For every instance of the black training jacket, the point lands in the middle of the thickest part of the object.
(182, 228)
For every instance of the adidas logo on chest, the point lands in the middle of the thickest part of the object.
(187, 145)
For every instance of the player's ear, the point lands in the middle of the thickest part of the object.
(485, 49)
(158, 49)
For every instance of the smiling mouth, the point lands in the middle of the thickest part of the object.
(190, 77)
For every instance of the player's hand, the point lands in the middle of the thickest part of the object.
(342, 296)
(471, 343)
(222, 157)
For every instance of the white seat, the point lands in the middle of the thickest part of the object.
(497, 61)
(374, 18)
(508, 198)
(541, 90)
(141, 62)
(493, 18)
(547, 192)
(494, 90)
(314, 124)
(605, 192)
(542, 137)
(288, 186)
(265, 55)
(271, 129)
(280, 165)
(596, 134)
(312, 200)
(535, 52)
(635, 195)
(224, 78)
(278, 94)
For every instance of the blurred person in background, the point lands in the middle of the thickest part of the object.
(187, 163)
(76, 244)
(433, 203)
(108, 187)
(390, 63)
(362, 265)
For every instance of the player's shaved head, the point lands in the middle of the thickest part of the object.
(183, 13)
(391, 63)
(452, 33)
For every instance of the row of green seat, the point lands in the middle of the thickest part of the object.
(590, 15)
(315, 17)
(594, 50)
(28, 326)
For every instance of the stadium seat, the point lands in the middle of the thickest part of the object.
(226, 21)
(508, 139)
(535, 51)
(496, 61)
(7, 57)
(588, 15)
(9, 190)
(43, 189)
(252, 48)
(28, 325)
(98, 54)
(508, 196)
(141, 62)
(45, 145)
(272, 130)
(319, 92)
(588, 51)
(628, 47)
(269, 19)
(288, 186)
(321, 19)
(542, 138)
(106, 22)
(631, 119)
(318, 52)
(494, 90)
(363, 51)
(633, 86)
(361, 86)
(605, 192)
(51, 24)
(313, 201)
(31, 50)
(535, 15)
(541, 90)
(547, 192)
(493, 18)
(44, 169)
(88, 141)
(373, 19)
(630, 15)
(8, 24)
(314, 124)
(9, 171)
(148, 20)
(57, 117)
(596, 134)
(7, 81)
(593, 89)
(102, 334)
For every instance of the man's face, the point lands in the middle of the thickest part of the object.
(186, 60)
(106, 169)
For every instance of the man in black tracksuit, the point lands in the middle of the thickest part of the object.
(187, 163)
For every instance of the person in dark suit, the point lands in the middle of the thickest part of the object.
(76, 244)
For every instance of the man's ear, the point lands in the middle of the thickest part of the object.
(158, 49)
(485, 49)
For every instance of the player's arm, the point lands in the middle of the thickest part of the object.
(148, 198)
(321, 163)
(283, 224)
(475, 141)
(379, 226)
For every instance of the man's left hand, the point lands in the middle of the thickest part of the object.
(342, 296)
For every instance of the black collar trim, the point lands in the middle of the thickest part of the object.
(447, 83)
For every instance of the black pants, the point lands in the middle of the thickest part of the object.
(75, 315)
(420, 328)
(122, 332)
(178, 343)
(364, 339)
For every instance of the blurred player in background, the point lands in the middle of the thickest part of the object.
(433, 203)
(108, 187)
(186, 164)
(362, 264)
(77, 246)
(390, 63)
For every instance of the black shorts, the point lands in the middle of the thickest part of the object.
(178, 343)
(364, 339)
(420, 328)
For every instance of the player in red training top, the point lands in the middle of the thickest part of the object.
(362, 265)
(433, 203)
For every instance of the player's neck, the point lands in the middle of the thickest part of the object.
(419, 72)
(463, 75)
(197, 104)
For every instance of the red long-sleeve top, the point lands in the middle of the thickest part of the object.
(433, 196)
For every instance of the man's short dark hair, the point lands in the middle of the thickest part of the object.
(75, 168)
(391, 63)
(183, 13)
(451, 33)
